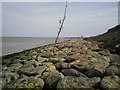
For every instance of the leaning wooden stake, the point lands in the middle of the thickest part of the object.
(61, 23)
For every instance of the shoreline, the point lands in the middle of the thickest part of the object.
(21, 44)
(23, 51)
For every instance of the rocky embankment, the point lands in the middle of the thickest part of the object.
(110, 39)
(71, 64)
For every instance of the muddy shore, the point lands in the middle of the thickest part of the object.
(71, 64)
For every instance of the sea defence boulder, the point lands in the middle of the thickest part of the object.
(71, 64)
(110, 82)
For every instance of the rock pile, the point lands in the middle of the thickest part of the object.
(70, 64)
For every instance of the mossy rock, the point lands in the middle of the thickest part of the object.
(72, 83)
(52, 80)
(8, 76)
(109, 82)
(55, 60)
(29, 83)
(14, 67)
(47, 54)
(72, 72)
(6, 61)
(112, 70)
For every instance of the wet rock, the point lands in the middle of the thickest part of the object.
(109, 82)
(72, 72)
(112, 70)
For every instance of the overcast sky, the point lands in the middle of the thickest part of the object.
(41, 19)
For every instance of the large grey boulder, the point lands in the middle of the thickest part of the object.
(112, 70)
(94, 72)
(8, 76)
(29, 82)
(92, 68)
(70, 82)
(72, 72)
(30, 70)
(52, 80)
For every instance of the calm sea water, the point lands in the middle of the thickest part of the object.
(16, 44)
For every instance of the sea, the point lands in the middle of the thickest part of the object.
(9, 45)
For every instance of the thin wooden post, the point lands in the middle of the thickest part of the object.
(61, 23)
